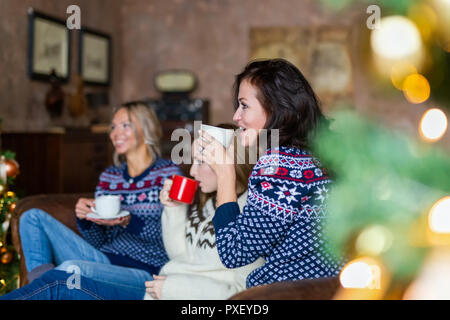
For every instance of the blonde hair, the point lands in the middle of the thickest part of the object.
(151, 128)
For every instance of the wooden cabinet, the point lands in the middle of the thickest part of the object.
(59, 162)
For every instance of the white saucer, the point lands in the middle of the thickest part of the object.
(122, 213)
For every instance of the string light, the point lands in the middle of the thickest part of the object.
(374, 240)
(362, 278)
(397, 40)
(416, 88)
(439, 216)
(433, 125)
(400, 71)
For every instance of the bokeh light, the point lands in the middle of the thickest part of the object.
(439, 216)
(356, 275)
(433, 125)
(374, 240)
(442, 10)
(425, 18)
(396, 38)
(361, 273)
(400, 71)
(416, 88)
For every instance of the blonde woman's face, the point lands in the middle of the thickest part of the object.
(122, 134)
(203, 173)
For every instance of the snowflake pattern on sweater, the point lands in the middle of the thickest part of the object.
(282, 220)
(141, 240)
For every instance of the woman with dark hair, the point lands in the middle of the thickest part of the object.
(282, 220)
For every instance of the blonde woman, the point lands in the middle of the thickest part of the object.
(194, 269)
(124, 251)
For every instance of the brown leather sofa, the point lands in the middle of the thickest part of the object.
(61, 206)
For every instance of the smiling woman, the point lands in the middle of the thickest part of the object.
(282, 220)
(125, 251)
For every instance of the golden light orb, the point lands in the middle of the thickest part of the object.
(416, 88)
(400, 71)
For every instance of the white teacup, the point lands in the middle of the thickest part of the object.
(107, 206)
(224, 136)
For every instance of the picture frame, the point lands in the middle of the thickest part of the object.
(94, 64)
(48, 47)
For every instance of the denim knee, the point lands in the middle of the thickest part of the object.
(32, 216)
(69, 266)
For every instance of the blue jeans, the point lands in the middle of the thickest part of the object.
(53, 285)
(46, 240)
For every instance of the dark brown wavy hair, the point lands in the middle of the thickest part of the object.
(290, 103)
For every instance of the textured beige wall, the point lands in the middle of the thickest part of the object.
(210, 37)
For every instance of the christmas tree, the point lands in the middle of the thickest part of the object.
(9, 260)
(382, 202)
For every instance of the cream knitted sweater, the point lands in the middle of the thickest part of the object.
(194, 270)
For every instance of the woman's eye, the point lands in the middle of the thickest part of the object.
(244, 106)
(198, 161)
(112, 127)
(126, 125)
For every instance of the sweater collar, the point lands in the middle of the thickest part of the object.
(130, 179)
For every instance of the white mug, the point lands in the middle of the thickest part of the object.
(224, 136)
(107, 206)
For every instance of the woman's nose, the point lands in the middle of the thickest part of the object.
(237, 115)
(193, 170)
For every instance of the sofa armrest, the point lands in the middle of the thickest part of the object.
(60, 206)
(308, 289)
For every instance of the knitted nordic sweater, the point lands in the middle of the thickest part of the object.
(140, 243)
(194, 270)
(282, 220)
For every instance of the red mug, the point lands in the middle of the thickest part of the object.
(183, 189)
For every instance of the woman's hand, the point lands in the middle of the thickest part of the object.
(83, 207)
(221, 161)
(164, 195)
(122, 221)
(211, 151)
(154, 287)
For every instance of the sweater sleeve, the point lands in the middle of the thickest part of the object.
(173, 222)
(274, 203)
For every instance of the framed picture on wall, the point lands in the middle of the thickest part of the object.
(95, 57)
(48, 47)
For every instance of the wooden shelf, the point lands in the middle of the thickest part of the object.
(55, 162)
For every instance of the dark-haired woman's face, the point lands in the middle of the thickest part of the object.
(250, 115)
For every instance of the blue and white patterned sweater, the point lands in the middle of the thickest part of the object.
(282, 220)
(141, 240)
